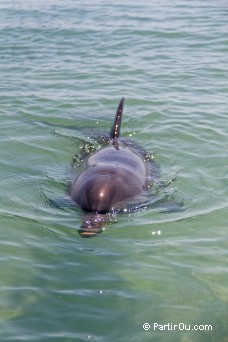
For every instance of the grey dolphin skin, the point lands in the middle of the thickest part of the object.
(113, 175)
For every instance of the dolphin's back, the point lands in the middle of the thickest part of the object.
(114, 174)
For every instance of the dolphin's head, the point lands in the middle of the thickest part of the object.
(96, 190)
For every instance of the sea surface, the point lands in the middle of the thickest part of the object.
(64, 66)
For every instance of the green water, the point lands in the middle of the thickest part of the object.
(64, 67)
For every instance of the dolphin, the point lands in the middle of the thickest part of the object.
(111, 177)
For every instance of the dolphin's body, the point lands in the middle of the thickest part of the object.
(114, 175)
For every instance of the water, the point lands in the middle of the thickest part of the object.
(64, 67)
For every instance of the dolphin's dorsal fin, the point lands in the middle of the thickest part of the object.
(115, 130)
